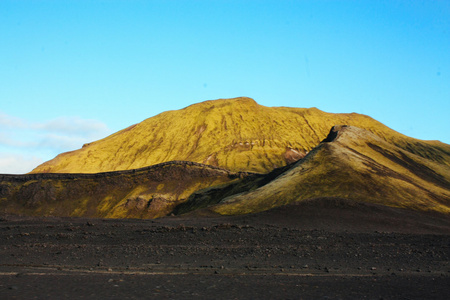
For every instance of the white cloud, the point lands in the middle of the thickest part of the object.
(8, 141)
(72, 125)
(18, 164)
(24, 143)
(7, 121)
(60, 141)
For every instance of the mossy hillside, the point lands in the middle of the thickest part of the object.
(146, 193)
(356, 165)
(237, 134)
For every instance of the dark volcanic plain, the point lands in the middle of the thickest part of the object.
(321, 249)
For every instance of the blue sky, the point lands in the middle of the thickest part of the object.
(75, 71)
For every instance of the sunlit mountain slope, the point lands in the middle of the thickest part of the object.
(352, 164)
(236, 134)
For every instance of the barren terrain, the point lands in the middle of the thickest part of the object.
(322, 249)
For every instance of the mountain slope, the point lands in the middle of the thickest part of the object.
(144, 193)
(235, 134)
(352, 164)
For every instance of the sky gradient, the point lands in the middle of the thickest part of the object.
(76, 71)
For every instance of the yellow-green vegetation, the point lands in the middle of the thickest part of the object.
(235, 134)
(144, 193)
(355, 164)
(361, 161)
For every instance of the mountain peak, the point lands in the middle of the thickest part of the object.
(238, 101)
(236, 134)
(333, 133)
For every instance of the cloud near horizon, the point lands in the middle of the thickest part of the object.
(11, 163)
(25, 144)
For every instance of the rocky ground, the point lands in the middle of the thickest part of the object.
(317, 250)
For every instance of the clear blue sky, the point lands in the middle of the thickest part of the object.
(75, 71)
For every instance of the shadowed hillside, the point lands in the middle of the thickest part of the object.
(236, 134)
(351, 163)
(144, 193)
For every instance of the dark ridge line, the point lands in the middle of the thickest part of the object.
(34, 176)
(332, 135)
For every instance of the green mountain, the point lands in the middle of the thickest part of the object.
(351, 163)
(236, 134)
(233, 156)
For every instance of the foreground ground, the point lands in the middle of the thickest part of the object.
(316, 250)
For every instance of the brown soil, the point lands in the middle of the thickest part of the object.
(320, 249)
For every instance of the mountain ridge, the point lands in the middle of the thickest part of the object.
(351, 163)
(148, 192)
(231, 157)
(237, 134)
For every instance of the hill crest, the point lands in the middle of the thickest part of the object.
(237, 134)
(353, 164)
(350, 163)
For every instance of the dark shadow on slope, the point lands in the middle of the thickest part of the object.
(210, 196)
(420, 170)
(333, 133)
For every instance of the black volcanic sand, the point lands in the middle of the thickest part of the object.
(322, 249)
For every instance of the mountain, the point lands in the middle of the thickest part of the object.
(231, 157)
(235, 134)
(352, 164)
(149, 192)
